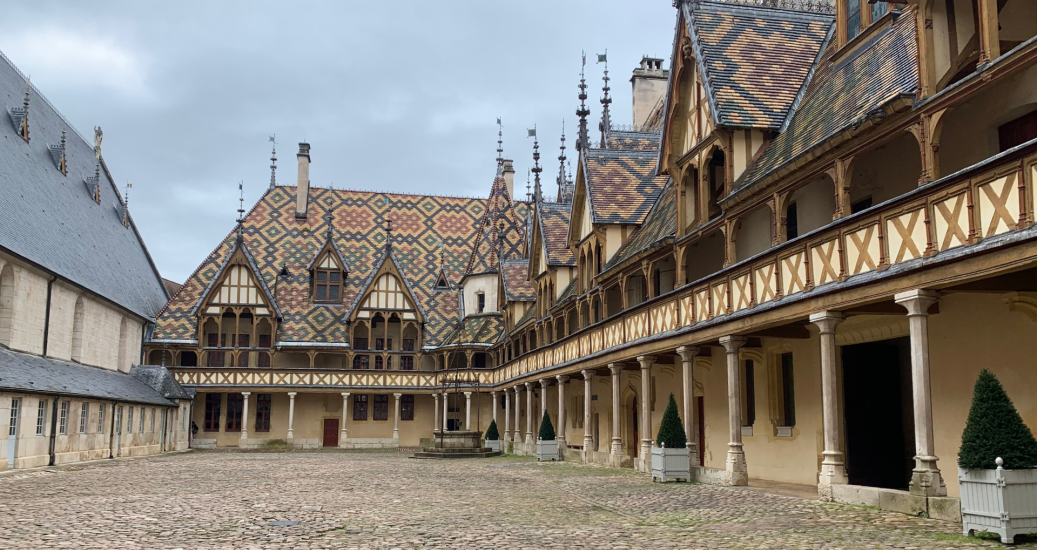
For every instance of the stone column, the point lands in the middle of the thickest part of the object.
(735, 472)
(494, 394)
(925, 479)
(543, 399)
(345, 432)
(529, 413)
(617, 439)
(396, 419)
(435, 408)
(446, 409)
(562, 380)
(588, 437)
(468, 410)
(507, 414)
(646, 362)
(291, 415)
(517, 434)
(688, 354)
(244, 414)
(833, 466)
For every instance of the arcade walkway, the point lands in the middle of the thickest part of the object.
(230, 499)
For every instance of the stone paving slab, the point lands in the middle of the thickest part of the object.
(349, 500)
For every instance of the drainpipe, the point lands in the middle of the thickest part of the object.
(46, 314)
(111, 432)
(53, 430)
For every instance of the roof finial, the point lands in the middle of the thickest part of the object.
(500, 143)
(606, 123)
(241, 211)
(527, 185)
(97, 183)
(442, 255)
(98, 137)
(582, 140)
(388, 231)
(126, 205)
(561, 166)
(329, 218)
(24, 129)
(537, 195)
(273, 161)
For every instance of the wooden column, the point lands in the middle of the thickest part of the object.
(989, 35)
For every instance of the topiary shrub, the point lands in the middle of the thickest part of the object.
(491, 432)
(671, 431)
(995, 429)
(547, 430)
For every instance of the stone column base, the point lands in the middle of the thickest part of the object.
(927, 483)
(735, 472)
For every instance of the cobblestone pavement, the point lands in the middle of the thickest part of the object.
(344, 500)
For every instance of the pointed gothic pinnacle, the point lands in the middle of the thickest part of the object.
(606, 122)
(273, 165)
(329, 218)
(537, 194)
(500, 144)
(582, 111)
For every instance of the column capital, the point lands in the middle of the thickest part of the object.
(468, 394)
(587, 374)
(292, 394)
(826, 321)
(528, 385)
(494, 393)
(562, 378)
(246, 393)
(436, 397)
(396, 395)
(646, 361)
(733, 343)
(917, 302)
(688, 353)
(616, 368)
(345, 394)
(544, 382)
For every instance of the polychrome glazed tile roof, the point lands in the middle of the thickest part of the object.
(273, 235)
(554, 228)
(841, 94)
(478, 328)
(755, 59)
(621, 184)
(517, 287)
(660, 223)
(501, 213)
(646, 141)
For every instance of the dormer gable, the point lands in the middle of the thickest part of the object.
(328, 272)
(386, 290)
(237, 284)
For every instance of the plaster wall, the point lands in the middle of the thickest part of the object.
(755, 233)
(886, 171)
(647, 93)
(486, 284)
(815, 204)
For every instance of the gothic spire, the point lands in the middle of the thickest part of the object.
(500, 144)
(606, 123)
(561, 167)
(241, 209)
(582, 140)
(273, 161)
(538, 196)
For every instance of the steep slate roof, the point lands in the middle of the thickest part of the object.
(840, 95)
(660, 223)
(554, 229)
(50, 218)
(516, 287)
(23, 372)
(159, 379)
(478, 328)
(274, 235)
(500, 209)
(621, 184)
(529, 315)
(754, 59)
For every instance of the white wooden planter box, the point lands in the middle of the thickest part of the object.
(1001, 501)
(493, 444)
(547, 449)
(670, 464)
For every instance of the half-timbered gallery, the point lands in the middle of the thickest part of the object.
(816, 231)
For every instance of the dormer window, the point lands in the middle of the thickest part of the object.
(481, 297)
(327, 280)
(859, 14)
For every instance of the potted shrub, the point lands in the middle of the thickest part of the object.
(493, 437)
(996, 465)
(670, 458)
(547, 445)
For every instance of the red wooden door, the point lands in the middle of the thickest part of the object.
(331, 432)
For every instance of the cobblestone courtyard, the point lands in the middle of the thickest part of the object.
(230, 500)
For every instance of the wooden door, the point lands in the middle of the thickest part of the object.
(331, 432)
(702, 429)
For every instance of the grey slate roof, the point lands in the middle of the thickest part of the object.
(161, 380)
(23, 372)
(51, 220)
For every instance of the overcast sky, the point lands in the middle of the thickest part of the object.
(392, 96)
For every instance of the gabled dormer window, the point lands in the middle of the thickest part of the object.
(327, 280)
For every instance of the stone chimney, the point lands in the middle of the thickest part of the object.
(649, 87)
(302, 193)
(509, 177)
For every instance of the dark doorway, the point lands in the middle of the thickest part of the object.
(701, 415)
(637, 437)
(331, 432)
(880, 439)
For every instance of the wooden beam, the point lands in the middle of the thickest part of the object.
(785, 331)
